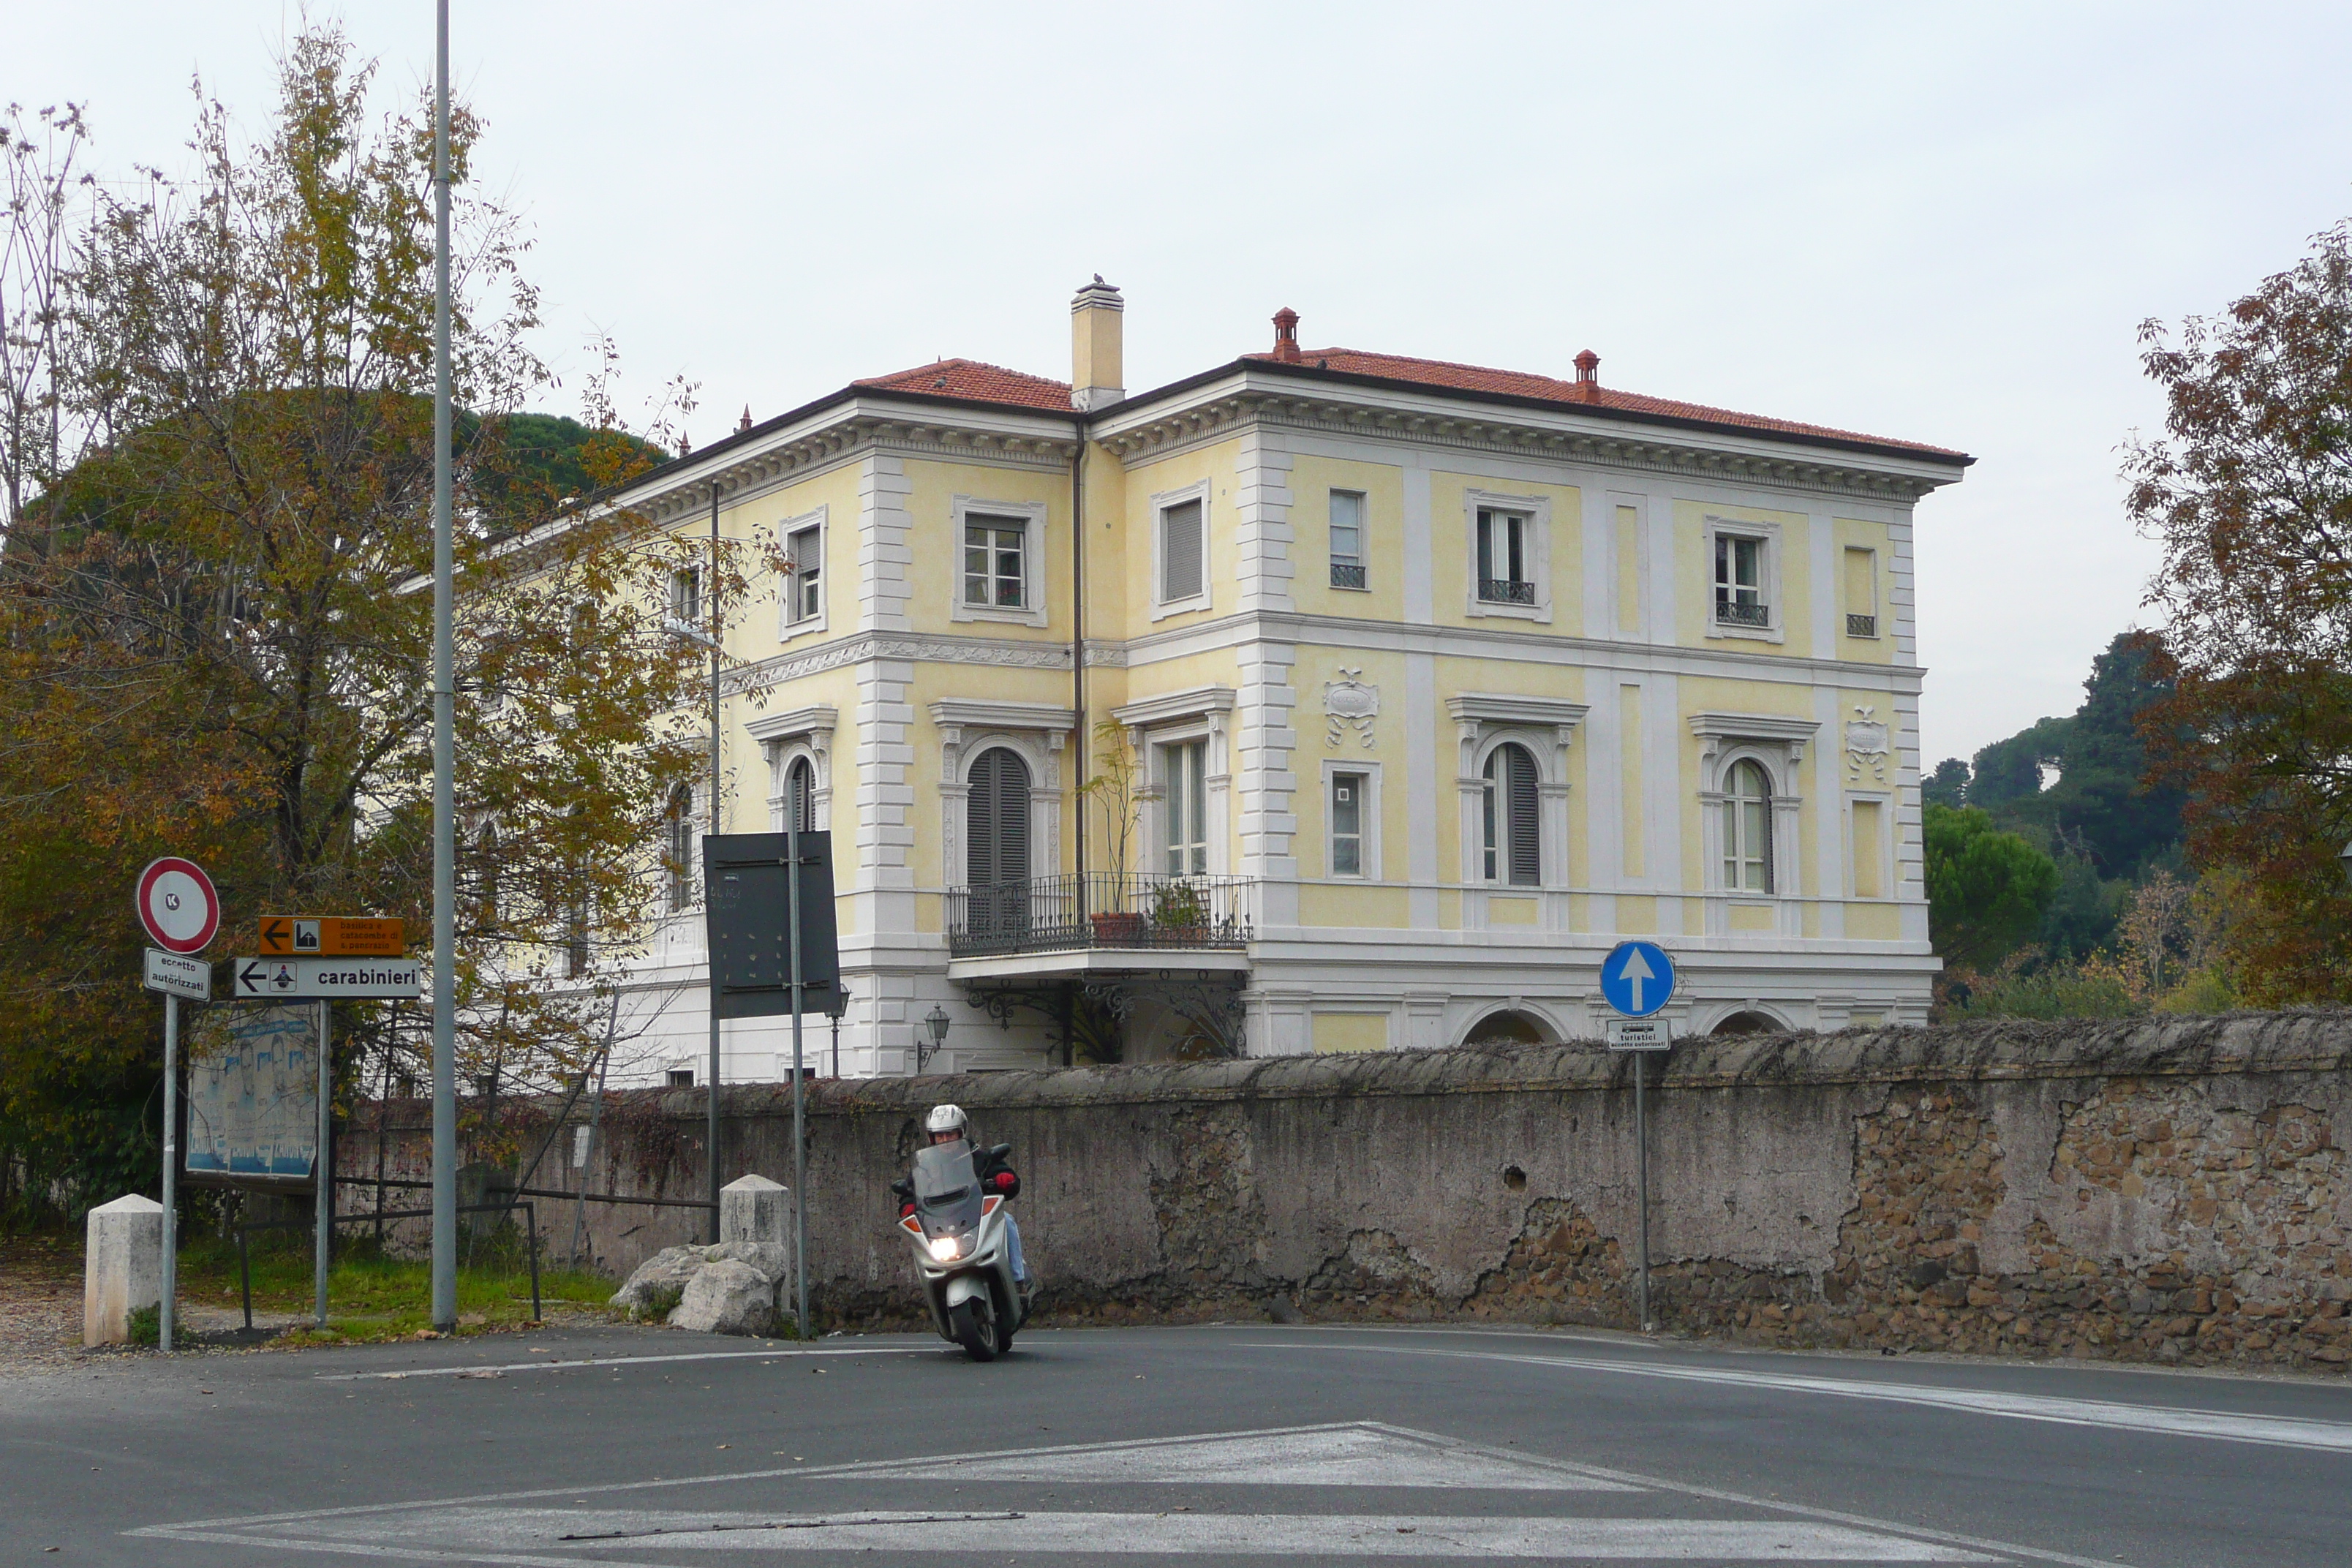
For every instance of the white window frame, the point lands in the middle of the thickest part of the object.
(789, 626)
(681, 844)
(1163, 742)
(1731, 854)
(1537, 510)
(1773, 584)
(686, 595)
(1031, 517)
(1362, 559)
(1548, 872)
(1368, 818)
(1161, 504)
(1778, 742)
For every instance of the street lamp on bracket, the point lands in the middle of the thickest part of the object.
(936, 1024)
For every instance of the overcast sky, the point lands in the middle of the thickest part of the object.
(1942, 223)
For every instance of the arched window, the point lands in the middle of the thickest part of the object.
(1513, 818)
(800, 795)
(678, 848)
(1748, 830)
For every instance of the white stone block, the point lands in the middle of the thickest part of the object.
(754, 1208)
(122, 1267)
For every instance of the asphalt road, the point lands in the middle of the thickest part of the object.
(1198, 1446)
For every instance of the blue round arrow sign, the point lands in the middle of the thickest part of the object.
(1637, 978)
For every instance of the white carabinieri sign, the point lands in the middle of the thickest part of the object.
(326, 979)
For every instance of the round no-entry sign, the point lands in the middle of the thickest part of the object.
(177, 904)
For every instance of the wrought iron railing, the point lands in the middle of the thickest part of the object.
(1506, 591)
(1861, 625)
(1101, 909)
(1731, 612)
(1347, 573)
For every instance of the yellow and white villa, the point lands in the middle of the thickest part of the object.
(1432, 683)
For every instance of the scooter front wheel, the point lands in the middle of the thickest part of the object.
(974, 1325)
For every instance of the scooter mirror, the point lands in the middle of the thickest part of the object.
(1000, 1151)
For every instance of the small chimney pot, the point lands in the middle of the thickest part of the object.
(1286, 335)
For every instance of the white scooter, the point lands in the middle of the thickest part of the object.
(957, 1232)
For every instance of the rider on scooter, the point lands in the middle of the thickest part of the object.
(946, 1124)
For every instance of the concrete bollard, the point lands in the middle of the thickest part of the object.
(754, 1208)
(122, 1267)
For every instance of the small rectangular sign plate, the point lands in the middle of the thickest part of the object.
(181, 976)
(332, 936)
(323, 979)
(1640, 1035)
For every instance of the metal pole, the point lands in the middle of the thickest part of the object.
(444, 730)
(171, 1168)
(712, 957)
(799, 1146)
(323, 1203)
(1641, 1162)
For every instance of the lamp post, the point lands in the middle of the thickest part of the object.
(936, 1021)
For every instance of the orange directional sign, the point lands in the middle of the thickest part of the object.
(331, 936)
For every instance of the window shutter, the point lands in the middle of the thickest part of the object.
(996, 817)
(1527, 833)
(1180, 546)
(800, 797)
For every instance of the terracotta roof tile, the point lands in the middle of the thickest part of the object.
(971, 380)
(1569, 394)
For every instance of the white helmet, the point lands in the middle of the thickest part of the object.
(946, 1119)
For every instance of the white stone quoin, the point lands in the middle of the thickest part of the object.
(122, 1268)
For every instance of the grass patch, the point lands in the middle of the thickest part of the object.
(371, 1297)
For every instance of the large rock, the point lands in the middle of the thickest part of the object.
(728, 1297)
(122, 1268)
(772, 1258)
(659, 1282)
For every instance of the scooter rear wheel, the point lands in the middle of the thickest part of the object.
(974, 1322)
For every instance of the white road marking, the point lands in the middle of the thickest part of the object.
(593, 1362)
(397, 1516)
(2221, 1425)
(1316, 1457)
(530, 1535)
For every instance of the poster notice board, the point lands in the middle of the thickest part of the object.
(253, 1094)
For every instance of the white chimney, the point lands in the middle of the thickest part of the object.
(1098, 371)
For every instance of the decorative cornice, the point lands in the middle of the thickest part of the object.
(853, 431)
(1714, 729)
(980, 714)
(864, 646)
(1474, 709)
(1189, 703)
(773, 727)
(1679, 453)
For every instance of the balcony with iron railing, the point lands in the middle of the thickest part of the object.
(1506, 591)
(1347, 573)
(1735, 612)
(1156, 915)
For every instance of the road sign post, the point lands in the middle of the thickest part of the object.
(1637, 979)
(181, 909)
(768, 908)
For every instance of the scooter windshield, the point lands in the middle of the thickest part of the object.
(947, 1192)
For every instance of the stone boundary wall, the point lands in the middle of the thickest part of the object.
(2171, 1190)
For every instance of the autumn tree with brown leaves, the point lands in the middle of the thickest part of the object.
(215, 618)
(2250, 491)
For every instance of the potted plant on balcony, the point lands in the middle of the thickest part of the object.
(1180, 914)
(1116, 787)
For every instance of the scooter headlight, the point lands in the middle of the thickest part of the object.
(945, 1247)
